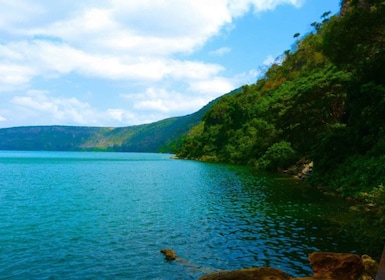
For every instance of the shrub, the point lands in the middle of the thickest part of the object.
(279, 155)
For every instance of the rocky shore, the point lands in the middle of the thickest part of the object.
(325, 266)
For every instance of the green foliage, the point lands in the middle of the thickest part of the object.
(354, 175)
(366, 109)
(279, 156)
(295, 101)
(325, 101)
(330, 151)
(311, 105)
(375, 197)
(190, 142)
(160, 136)
(356, 40)
(350, 159)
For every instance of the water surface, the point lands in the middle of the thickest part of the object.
(70, 215)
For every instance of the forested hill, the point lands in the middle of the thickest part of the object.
(324, 102)
(161, 136)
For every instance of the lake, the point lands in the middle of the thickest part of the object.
(86, 215)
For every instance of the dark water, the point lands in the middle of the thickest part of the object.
(107, 215)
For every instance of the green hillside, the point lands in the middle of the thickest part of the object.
(325, 104)
(161, 136)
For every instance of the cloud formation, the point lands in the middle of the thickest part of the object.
(143, 42)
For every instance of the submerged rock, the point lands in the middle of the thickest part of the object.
(325, 265)
(169, 254)
(341, 266)
(256, 273)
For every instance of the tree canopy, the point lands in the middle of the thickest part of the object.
(325, 103)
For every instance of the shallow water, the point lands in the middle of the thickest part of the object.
(70, 215)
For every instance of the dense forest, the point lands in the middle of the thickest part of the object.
(323, 102)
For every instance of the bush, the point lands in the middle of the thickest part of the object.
(355, 175)
(375, 197)
(278, 156)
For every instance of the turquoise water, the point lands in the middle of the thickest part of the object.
(69, 215)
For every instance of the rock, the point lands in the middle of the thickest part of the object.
(169, 254)
(339, 266)
(301, 170)
(325, 265)
(256, 273)
(370, 268)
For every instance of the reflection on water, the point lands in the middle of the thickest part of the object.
(107, 215)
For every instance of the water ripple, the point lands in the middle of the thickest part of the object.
(106, 216)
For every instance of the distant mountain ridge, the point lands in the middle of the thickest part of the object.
(160, 136)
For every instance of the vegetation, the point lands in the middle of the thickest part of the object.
(161, 136)
(324, 102)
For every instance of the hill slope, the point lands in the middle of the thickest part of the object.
(161, 136)
(325, 103)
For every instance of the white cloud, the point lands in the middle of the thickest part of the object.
(16, 13)
(2, 119)
(14, 76)
(216, 86)
(240, 7)
(55, 59)
(37, 103)
(43, 108)
(248, 77)
(140, 27)
(146, 42)
(220, 51)
(117, 39)
(120, 115)
(165, 101)
(153, 105)
(174, 18)
(269, 60)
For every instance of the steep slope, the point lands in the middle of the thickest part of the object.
(324, 103)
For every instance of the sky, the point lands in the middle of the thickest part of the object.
(119, 63)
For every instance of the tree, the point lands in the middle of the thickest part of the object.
(356, 40)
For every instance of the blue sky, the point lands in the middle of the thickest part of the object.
(120, 63)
